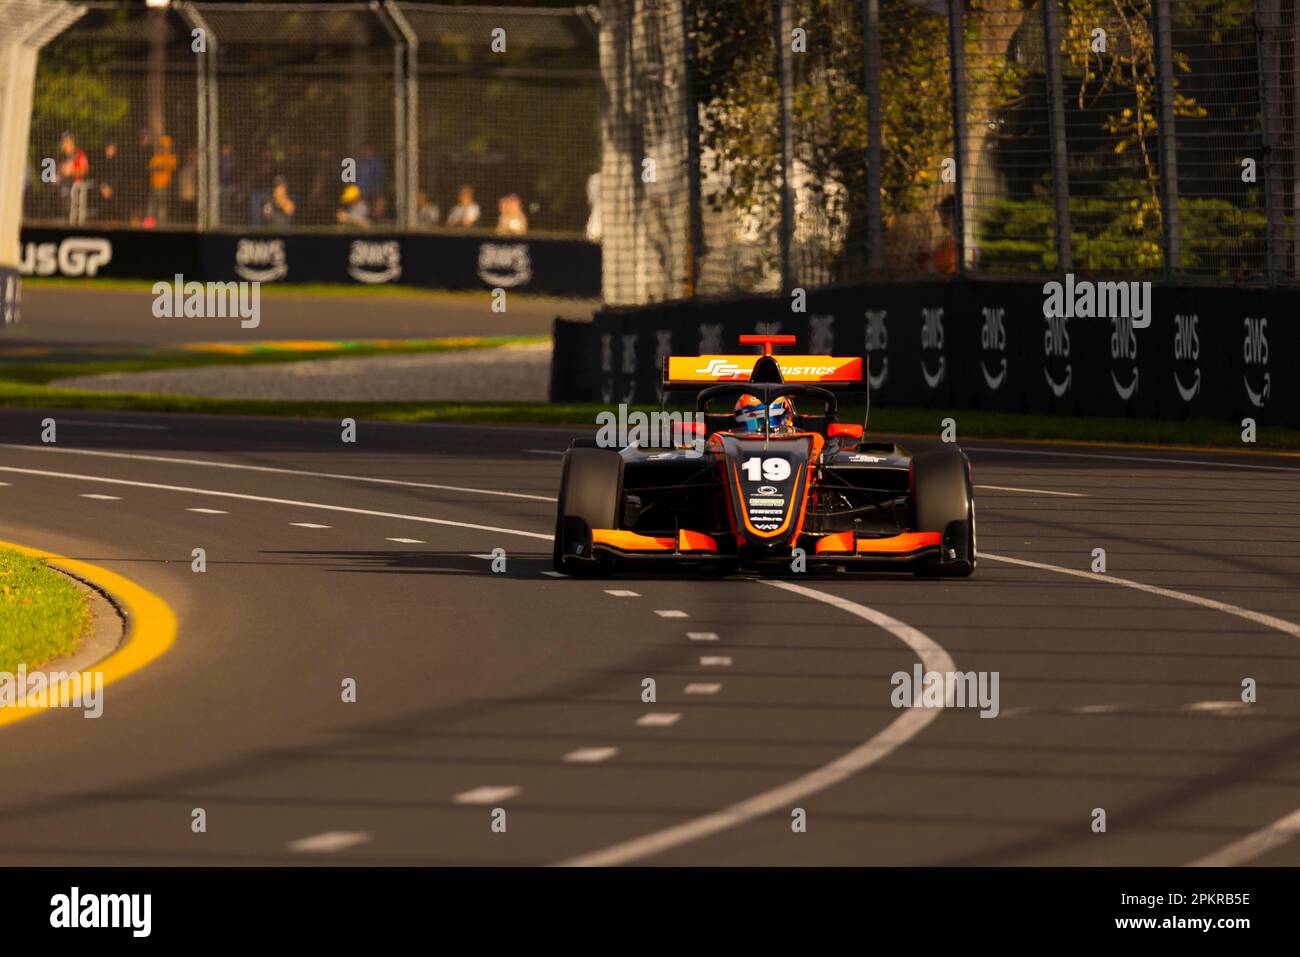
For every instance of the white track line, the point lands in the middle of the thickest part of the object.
(671, 613)
(902, 729)
(590, 755)
(207, 511)
(542, 451)
(207, 463)
(716, 661)
(277, 501)
(309, 525)
(102, 498)
(622, 593)
(1032, 491)
(702, 635)
(329, 842)
(659, 719)
(1129, 458)
(1253, 845)
(487, 794)
(703, 687)
(406, 541)
(1266, 838)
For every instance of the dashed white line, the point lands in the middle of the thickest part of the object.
(658, 719)
(309, 525)
(1032, 491)
(703, 687)
(898, 732)
(1128, 458)
(621, 593)
(716, 661)
(487, 794)
(406, 541)
(329, 842)
(702, 635)
(207, 511)
(590, 755)
(103, 498)
(272, 501)
(671, 613)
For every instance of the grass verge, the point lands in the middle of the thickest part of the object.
(42, 613)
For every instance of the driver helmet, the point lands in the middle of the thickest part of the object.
(750, 413)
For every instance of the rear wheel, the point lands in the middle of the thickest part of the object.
(591, 488)
(942, 501)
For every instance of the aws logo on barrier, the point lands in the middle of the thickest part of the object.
(504, 265)
(1187, 348)
(932, 341)
(74, 256)
(1056, 344)
(1255, 352)
(261, 260)
(993, 338)
(876, 341)
(1124, 351)
(375, 262)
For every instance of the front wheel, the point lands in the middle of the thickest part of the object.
(943, 501)
(591, 488)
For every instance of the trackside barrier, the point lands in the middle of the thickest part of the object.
(1221, 353)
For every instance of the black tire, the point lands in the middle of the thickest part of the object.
(591, 491)
(942, 495)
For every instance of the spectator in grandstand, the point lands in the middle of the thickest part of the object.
(353, 210)
(162, 168)
(187, 187)
(426, 213)
(379, 213)
(73, 168)
(228, 185)
(466, 211)
(943, 258)
(107, 173)
(279, 208)
(370, 172)
(593, 200)
(511, 220)
(322, 179)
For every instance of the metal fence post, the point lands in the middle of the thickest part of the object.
(785, 71)
(957, 70)
(695, 244)
(871, 72)
(1171, 223)
(1269, 56)
(403, 131)
(1056, 123)
(208, 145)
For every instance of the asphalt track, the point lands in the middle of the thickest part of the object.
(522, 691)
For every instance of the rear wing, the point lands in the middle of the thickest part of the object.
(692, 373)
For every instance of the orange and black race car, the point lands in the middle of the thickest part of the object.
(763, 472)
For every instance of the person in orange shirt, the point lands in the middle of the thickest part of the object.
(162, 167)
(943, 258)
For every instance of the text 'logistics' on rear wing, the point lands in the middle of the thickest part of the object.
(691, 373)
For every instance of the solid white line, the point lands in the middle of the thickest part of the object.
(405, 541)
(309, 525)
(702, 635)
(207, 463)
(716, 661)
(116, 425)
(1032, 491)
(103, 498)
(487, 794)
(329, 842)
(621, 593)
(486, 556)
(1269, 837)
(1268, 621)
(207, 511)
(1128, 458)
(1253, 845)
(703, 687)
(542, 451)
(5, 483)
(658, 719)
(277, 501)
(671, 613)
(590, 755)
(907, 725)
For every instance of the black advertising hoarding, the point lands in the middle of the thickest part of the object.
(556, 267)
(1210, 352)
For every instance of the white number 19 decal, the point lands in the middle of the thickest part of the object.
(771, 470)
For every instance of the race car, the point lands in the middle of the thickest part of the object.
(764, 473)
